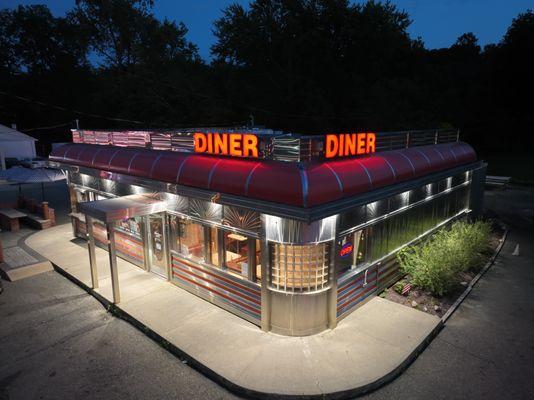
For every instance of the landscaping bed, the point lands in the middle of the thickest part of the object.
(440, 289)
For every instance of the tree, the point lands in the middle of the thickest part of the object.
(315, 64)
(124, 33)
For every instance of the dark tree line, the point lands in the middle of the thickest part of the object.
(307, 66)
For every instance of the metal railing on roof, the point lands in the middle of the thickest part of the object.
(273, 144)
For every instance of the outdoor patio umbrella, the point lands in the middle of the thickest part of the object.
(23, 175)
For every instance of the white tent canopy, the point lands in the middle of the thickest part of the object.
(15, 144)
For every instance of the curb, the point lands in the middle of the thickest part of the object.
(474, 281)
(185, 358)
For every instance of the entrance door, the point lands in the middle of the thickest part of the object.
(157, 253)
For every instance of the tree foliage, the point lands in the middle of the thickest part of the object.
(299, 65)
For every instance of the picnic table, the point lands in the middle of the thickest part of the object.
(9, 218)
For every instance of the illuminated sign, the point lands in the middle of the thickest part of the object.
(227, 144)
(349, 144)
(346, 250)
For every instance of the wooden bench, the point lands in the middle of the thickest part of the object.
(9, 219)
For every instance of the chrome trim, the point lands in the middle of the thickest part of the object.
(408, 158)
(336, 176)
(425, 156)
(366, 171)
(132, 159)
(113, 263)
(402, 209)
(154, 164)
(212, 171)
(249, 177)
(113, 156)
(304, 183)
(390, 167)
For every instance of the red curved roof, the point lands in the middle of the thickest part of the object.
(302, 185)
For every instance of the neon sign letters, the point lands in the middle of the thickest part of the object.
(349, 144)
(227, 144)
(346, 250)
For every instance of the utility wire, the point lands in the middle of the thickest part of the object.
(41, 103)
(46, 127)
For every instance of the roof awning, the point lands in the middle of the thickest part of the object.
(303, 185)
(120, 208)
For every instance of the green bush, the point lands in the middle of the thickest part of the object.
(434, 264)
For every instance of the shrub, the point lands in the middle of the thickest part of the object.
(434, 264)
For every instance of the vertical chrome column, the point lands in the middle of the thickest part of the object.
(265, 278)
(251, 260)
(166, 244)
(332, 277)
(265, 282)
(113, 263)
(92, 253)
(145, 226)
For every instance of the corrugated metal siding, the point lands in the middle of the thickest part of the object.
(230, 292)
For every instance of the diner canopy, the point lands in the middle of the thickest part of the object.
(121, 208)
(304, 184)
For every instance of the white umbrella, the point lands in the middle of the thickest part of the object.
(23, 175)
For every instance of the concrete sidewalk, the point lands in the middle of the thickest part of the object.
(366, 350)
(20, 261)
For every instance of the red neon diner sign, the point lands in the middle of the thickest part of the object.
(349, 144)
(227, 144)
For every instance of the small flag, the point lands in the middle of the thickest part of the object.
(406, 289)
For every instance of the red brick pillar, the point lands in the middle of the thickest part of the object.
(46, 210)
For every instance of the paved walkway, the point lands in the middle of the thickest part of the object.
(366, 346)
(20, 261)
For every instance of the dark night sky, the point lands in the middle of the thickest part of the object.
(437, 22)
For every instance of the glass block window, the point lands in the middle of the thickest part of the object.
(299, 268)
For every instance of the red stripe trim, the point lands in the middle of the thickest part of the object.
(387, 277)
(355, 290)
(217, 284)
(199, 268)
(339, 307)
(254, 310)
(356, 282)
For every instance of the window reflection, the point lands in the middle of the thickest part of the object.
(187, 238)
(234, 252)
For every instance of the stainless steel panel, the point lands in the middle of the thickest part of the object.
(92, 254)
(284, 230)
(123, 207)
(299, 314)
(113, 263)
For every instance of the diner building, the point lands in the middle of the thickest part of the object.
(290, 232)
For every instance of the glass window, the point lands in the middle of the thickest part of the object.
(187, 238)
(352, 250)
(214, 246)
(236, 252)
(353, 218)
(299, 267)
(258, 259)
(130, 226)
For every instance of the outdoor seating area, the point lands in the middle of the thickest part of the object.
(9, 219)
(29, 211)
